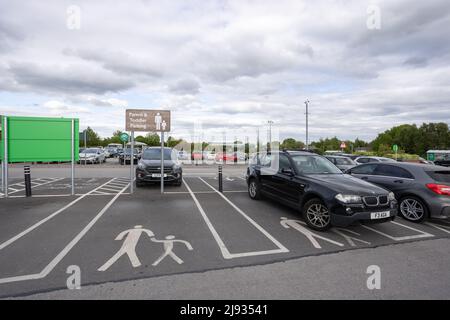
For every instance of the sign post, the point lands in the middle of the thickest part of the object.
(131, 162)
(5, 156)
(72, 153)
(395, 149)
(148, 120)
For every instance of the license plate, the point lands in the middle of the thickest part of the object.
(158, 175)
(380, 215)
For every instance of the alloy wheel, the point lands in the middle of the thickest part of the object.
(412, 209)
(252, 189)
(318, 215)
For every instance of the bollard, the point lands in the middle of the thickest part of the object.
(27, 172)
(220, 178)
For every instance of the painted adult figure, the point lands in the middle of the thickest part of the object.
(128, 246)
(158, 121)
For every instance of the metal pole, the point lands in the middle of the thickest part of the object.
(220, 179)
(5, 155)
(85, 144)
(162, 162)
(27, 172)
(307, 113)
(3, 165)
(73, 157)
(131, 162)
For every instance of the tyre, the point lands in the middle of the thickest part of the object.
(179, 181)
(254, 189)
(316, 215)
(412, 209)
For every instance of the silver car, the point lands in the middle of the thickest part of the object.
(92, 155)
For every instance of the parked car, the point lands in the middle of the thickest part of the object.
(113, 152)
(226, 157)
(149, 167)
(323, 193)
(183, 155)
(361, 160)
(125, 156)
(343, 163)
(423, 190)
(92, 155)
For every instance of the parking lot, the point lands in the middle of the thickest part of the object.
(112, 235)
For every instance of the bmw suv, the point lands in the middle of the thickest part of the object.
(315, 186)
(149, 167)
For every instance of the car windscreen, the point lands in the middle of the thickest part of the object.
(90, 151)
(343, 161)
(440, 176)
(128, 151)
(155, 154)
(314, 165)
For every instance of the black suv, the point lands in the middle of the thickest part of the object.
(149, 167)
(326, 196)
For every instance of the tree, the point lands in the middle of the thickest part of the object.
(292, 144)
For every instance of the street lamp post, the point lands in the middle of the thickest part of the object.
(270, 122)
(307, 113)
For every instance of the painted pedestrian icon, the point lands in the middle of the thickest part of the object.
(128, 247)
(168, 249)
(132, 237)
(158, 121)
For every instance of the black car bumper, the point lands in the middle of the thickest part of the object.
(343, 216)
(144, 176)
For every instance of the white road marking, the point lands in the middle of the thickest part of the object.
(128, 246)
(226, 254)
(310, 235)
(13, 190)
(350, 239)
(446, 229)
(34, 226)
(66, 250)
(421, 234)
(110, 189)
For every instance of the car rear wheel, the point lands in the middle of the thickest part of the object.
(413, 209)
(254, 189)
(316, 215)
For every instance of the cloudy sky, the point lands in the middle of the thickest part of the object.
(229, 65)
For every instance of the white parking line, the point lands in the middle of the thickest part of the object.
(13, 190)
(34, 226)
(67, 249)
(225, 252)
(446, 229)
(421, 234)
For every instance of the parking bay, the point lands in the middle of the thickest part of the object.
(223, 230)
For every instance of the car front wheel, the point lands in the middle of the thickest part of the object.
(412, 209)
(254, 189)
(316, 215)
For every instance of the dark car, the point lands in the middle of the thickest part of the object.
(125, 156)
(149, 167)
(324, 194)
(343, 163)
(423, 190)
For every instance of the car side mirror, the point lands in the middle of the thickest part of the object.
(287, 171)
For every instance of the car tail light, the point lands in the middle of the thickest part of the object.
(441, 189)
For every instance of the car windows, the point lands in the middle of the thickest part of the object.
(392, 171)
(284, 162)
(265, 160)
(440, 176)
(155, 154)
(314, 165)
(343, 161)
(363, 160)
(364, 169)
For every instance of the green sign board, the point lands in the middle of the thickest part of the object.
(124, 137)
(32, 139)
(395, 148)
(431, 157)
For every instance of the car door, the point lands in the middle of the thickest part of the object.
(284, 183)
(392, 177)
(364, 172)
(265, 173)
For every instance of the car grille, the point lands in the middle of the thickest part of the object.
(373, 201)
(158, 170)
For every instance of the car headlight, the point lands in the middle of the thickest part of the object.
(348, 198)
(391, 196)
(141, 166)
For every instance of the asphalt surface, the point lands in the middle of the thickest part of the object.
(40, 237)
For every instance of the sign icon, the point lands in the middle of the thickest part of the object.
(124, 137)
(147, 120)
(343, 145)
(128, 247)
(395, 148)
(168, 249)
